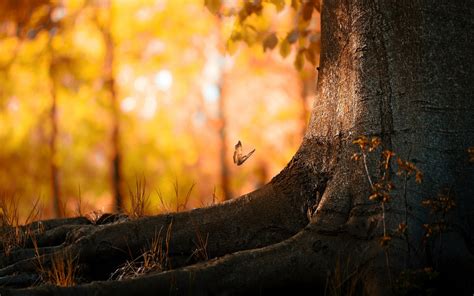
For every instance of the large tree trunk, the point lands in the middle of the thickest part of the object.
(398, 70)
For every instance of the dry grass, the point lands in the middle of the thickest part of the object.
(94, 216)
(79, 202)
(63, 270)
(180, 203)
(154, 258)
(200, 253)
(344, 280)
(139, 199)
(164, 207)
(12, 235)
(213, 202)
(214, 197)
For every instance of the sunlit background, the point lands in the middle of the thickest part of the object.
(97, 97)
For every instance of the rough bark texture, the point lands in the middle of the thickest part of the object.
(399, 70)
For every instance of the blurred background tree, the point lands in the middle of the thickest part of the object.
(97, 94)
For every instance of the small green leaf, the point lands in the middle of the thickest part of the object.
(285, 48)
(270, 42)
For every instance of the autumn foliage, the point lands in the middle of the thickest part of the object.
(182, 100)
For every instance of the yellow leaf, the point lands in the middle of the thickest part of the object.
(355, 156)
(285, 48)
(307, 11)
(309, 54)
(361, 142)
(295, 4)
(374, 196)
(270, 42)
(231, 46)
(292, 37)
(279, 4)
(213, 5)
(299, 60)
(418, 177)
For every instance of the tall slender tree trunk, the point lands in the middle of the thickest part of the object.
(53, 140)
(222, 117)
(223, 152)
(109, 75)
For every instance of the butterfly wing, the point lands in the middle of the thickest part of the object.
(238, 153)
(245, 157)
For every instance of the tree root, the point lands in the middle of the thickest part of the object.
(265, 217)
(261, 218)
(308, 254)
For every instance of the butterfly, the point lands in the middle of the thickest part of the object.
(239, 158)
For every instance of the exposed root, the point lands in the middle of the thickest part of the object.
(258, 219)
(308, 254)
(262, 218)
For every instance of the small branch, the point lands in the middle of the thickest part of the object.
(383, 219)
(364, 158)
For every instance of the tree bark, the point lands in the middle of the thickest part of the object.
(398, 70)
